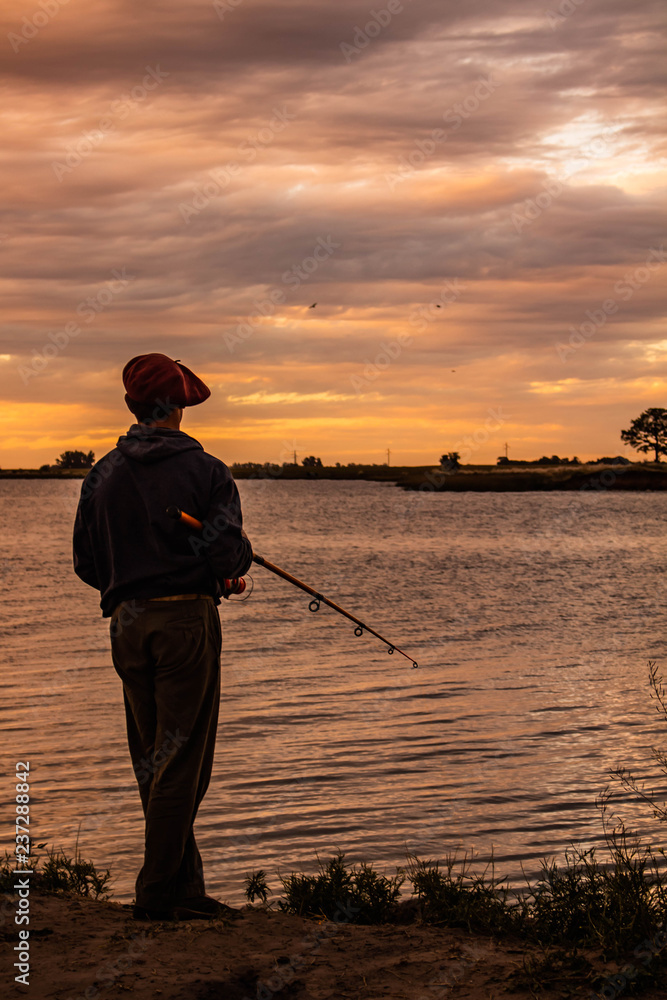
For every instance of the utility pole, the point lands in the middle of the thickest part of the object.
(506, 449)
(388, 454)
(294, 453)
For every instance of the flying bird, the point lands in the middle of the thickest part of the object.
(313, 305)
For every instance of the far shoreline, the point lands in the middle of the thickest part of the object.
(520, 478)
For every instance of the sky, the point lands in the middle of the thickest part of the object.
(472, 193)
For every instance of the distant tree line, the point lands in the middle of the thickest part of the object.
(648, 432)
(72, 460)
(545, 460)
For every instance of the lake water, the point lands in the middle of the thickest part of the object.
(532, 617)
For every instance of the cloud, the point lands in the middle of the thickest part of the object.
(267, 398)
(514, 153)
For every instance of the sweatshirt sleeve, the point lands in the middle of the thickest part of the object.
(84, 558)
(228, 549)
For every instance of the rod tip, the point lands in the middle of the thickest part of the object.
(173, 512)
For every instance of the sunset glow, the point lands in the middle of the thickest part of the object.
(364, 229)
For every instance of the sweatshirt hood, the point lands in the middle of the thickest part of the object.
(153, 444)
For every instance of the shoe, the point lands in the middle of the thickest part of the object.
(142, 913)
(203, 908)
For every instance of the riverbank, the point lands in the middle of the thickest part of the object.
(81, 949)
(636, 476)
(369, 473)
(642, 476)
(38, 474)
(345, 933)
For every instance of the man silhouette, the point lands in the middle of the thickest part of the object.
(161, 585)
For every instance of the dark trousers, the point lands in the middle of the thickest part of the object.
(167, 654)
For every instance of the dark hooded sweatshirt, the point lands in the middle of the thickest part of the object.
(126, 545)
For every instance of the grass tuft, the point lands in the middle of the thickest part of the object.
(59, 873)
(457, 896)
(358, 895)
(611, 906)
(256, 886)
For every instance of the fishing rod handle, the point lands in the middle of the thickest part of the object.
(229, 587)
(180, 515)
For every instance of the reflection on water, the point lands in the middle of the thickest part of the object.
(532, 617)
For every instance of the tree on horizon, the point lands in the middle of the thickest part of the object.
(76, 460)
(648, 432)
(450, 461)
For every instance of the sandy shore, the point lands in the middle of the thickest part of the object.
(82, 950)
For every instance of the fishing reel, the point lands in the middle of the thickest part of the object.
(238, 589)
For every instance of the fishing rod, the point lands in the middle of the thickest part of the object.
(361, 627)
